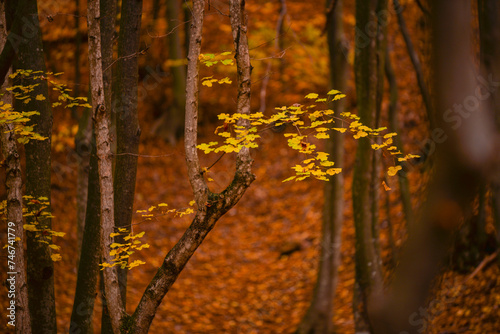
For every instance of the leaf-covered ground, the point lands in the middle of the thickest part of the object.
(240, 280)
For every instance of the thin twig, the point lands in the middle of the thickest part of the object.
(483, 263)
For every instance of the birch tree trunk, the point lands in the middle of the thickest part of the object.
(101, 128)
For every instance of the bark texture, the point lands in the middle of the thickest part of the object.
(102, 134)
(13, 185)
(368, 266)
(127, 123)
(40, 268)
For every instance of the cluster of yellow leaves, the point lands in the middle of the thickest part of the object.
(122, 251)
(240, 130)
(162, 209)
(23, 93)
(37, 208)
(210, 59)
(24, 132)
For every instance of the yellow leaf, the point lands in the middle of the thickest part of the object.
(322, 156)
(192, 203)
(112, 235)
(393, 170)
(31, 228)
(162, 204)
(40, 97)
(55, 247)
(136, 263)
(56, 257)
(311, 96)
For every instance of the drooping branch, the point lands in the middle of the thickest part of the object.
(101, 127)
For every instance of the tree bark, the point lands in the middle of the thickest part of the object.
(210, 206)
(108, 14)
(127, 123)
(368, 266)
(13, 185)
(40, 268)
(101, 117)
(318, 318)
(172, 121)
(88, 269)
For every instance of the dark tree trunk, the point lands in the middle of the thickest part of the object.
(127, 123)
(460, 167)
(489, 31)
(40, 267)
(318, 319)
(368, 266)
(88, 269)
(404, 187)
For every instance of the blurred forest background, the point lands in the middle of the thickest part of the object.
(257, 270)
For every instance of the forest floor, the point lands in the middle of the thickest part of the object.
(239, 281)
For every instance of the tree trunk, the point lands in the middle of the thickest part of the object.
(40, 267)
(460, 167)
(404, 187)
(127, 124)
(489, 32)
(210, 206)
(88, 269)
(14, 187)
(101, 117)
(173, 118)
(416, 65)
(368, 266)
(318, 318)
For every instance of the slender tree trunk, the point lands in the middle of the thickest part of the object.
(124, 88)
(318, 318)
(176, 111)
(88, 269)
(404, 187)
(375, 185)
(210, 206)
(416, 64)
(13, 185)
(460, 168)
(368, 266)
(39, 263)
(101, 118)
(108, 12)
(489, 32)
